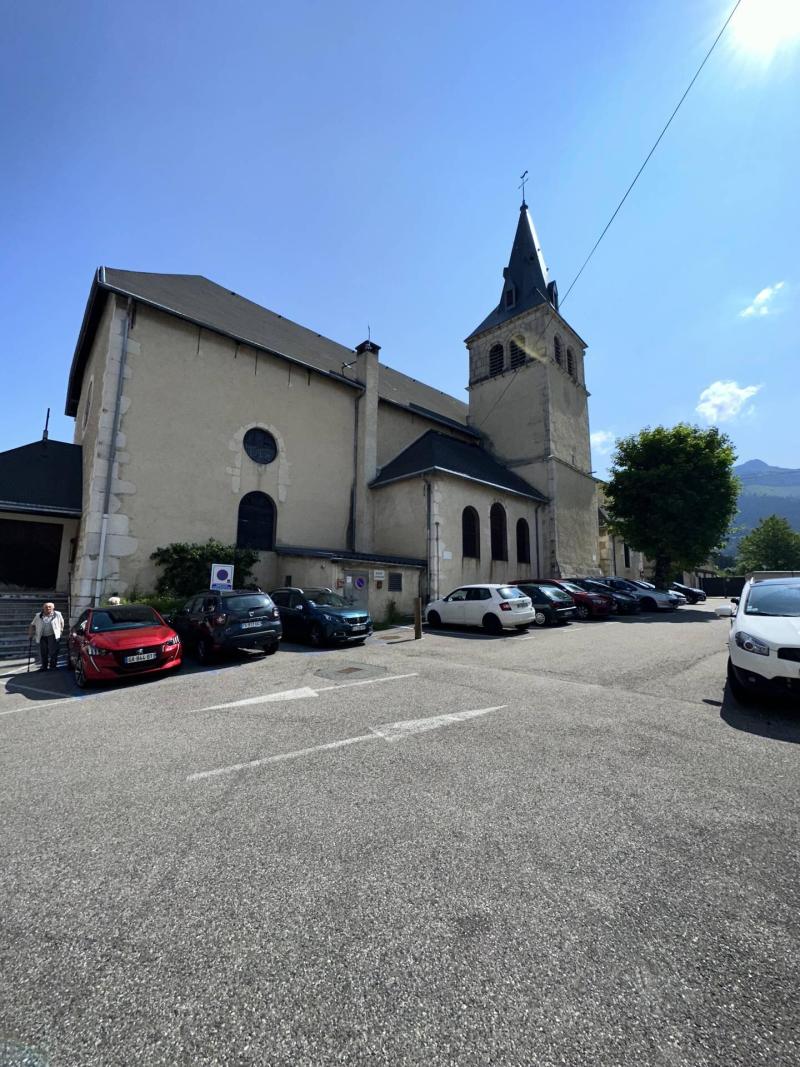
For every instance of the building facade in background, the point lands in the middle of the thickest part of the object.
(200, 414)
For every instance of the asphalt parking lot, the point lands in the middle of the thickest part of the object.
(564, 846)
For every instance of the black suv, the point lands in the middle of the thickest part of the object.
(321, 616)
(236, 618)
(552, 606)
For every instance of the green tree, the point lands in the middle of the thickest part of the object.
(187, 567)
(672, 495)
(772, 546)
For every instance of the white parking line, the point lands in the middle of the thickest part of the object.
(393, 731)
(304, 693)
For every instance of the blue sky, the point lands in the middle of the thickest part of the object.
(357, 163)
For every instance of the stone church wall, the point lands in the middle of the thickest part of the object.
(397, 429)
(189, 397)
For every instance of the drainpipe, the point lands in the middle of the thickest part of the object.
(429, 537)
(536, 511)
(112, 455)
(436, 589)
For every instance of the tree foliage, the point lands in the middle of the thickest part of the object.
(772, 546)
(672, 494)
(187, 567)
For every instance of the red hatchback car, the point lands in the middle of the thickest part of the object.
(588, 604)
(109, 643)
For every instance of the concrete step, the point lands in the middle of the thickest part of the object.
(16, 612)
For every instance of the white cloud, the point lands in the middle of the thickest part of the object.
(602, 442)
(761, 301)
(723, 401)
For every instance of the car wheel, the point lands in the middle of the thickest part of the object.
(540, 619)
(316, 636)
(583, 611)
(492, 624)
(203, 650)
(648, 604)
(739, 692)
(434, 618)
(79, 674)
(271, 648)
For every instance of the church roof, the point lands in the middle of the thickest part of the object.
(45, 478)
(525, 277)
(200, 301)
(435, 451)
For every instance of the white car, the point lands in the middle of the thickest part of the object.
(764, 638)
(494, 607)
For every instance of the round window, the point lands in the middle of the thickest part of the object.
(260, 445)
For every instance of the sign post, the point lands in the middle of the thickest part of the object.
(221, 576)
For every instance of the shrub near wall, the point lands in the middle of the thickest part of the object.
(187, 567)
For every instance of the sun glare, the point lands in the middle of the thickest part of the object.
(761, 27)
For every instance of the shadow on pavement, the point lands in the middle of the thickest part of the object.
(774, 717)
(679, 615)
(472, 633)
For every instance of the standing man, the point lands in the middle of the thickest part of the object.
(47, 625)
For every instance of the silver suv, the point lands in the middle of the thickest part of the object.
(650, 598)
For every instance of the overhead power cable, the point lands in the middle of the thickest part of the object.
(628, 191)
(655, 146)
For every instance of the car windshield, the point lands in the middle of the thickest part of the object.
(596, 587)
(509, 592)
(124, 618)
(572, 587)
(325, 599)
(774, 600)
(552, 592)
(246, 602)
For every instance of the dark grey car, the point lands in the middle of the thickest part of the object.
(236, 618)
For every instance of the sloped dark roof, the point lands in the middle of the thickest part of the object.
(438, 452)
(525, 276)
(45, 477)
(346, 554)
(204, 303)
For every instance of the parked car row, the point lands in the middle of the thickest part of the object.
(113, 642)
(550, 602)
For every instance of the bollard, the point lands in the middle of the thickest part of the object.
(418, 618)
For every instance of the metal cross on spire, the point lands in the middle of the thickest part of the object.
(524, 178)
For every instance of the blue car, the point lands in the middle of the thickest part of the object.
(321, 617)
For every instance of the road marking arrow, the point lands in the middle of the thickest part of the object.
(393, 731)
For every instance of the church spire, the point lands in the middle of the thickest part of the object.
(525, 282)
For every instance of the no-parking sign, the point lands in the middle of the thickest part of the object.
(221, 576)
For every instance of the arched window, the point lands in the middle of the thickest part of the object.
(497, 526)
(495, 360)
(470, 533)
(570, 363)
(517, 352)
(256, 527)
(523, 541)
(558, 350)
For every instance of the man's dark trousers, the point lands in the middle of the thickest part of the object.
(48, 651)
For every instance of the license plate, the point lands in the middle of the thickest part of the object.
(141, 658)
(250, 625)
(357, 629)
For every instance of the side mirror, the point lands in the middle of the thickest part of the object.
(82, 628)
(734, 600)
(724, 611)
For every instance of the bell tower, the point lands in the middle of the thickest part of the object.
(528, 398)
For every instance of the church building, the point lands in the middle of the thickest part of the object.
(200, 414)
